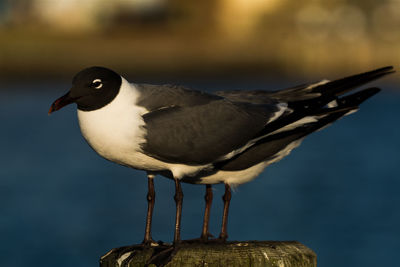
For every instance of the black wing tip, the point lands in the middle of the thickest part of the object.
(379, 71)
(386, 68)
(354, 100)
(370, 75)
(367, 93)
(372, 91)
(344, 85)
(383, 71)
(375, 74)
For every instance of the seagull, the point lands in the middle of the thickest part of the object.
(197, 137)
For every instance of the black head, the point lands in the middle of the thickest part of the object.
(92, 89)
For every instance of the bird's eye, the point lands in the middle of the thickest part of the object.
(97, 84)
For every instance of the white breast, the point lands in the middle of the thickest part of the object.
(116, 131)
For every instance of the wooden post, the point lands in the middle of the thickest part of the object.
(232, 254)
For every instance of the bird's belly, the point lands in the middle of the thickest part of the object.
(246, 175)
(233, 178)
(118, 138)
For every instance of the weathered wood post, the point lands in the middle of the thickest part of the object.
(232, 254)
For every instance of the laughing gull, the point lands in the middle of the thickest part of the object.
(204, 138)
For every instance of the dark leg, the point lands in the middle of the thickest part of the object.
(150, 206)
(178, 200)
(226, 198)
(208, 198)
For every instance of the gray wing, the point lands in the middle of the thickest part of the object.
(192, 127)
(203, 133)
(297, 93)
(154, 97)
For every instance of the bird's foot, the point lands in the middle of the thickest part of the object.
(162, 254)
(202, 239)
(220, 239)
(151, 243)
(178, 242)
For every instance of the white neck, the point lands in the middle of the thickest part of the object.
(116, 128)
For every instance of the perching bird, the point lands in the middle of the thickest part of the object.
(203, 138)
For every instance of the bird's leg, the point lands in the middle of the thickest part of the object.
(178, 200)
(208, 198)
(151, 196)
(226, 198)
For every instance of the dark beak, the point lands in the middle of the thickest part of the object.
(61, 102)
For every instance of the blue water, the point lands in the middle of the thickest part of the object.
(62, 205)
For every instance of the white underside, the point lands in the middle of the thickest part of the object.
(235, 178)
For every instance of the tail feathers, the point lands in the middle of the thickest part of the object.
(307, 116)
(280, 136)
(327, 115)
(358, 97)
(342, 86)
(325, 90)
(279, 142)
(319, 107)
(306, 94)
(350, 101)
(276, 146)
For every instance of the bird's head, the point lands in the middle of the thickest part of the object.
(92, 88)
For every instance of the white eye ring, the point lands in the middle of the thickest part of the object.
(97, 81)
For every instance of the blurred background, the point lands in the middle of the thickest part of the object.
(62, 204)
(151, 38)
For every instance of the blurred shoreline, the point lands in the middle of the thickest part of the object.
(44, 55)
(160, 39)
